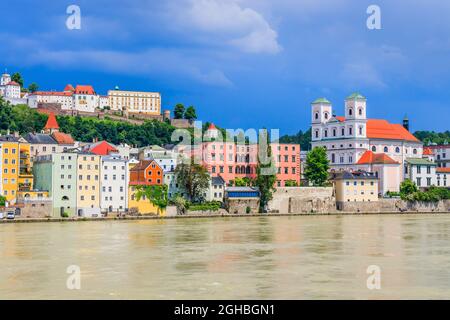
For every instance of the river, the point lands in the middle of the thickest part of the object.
(304, 257)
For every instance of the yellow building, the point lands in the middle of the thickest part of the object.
(15, 166)
(143, 206)
(358, 186)
(88, 185)
(148, 103)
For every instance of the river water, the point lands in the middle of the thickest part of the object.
(304, 257)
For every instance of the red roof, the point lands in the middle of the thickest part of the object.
(340, 118)
(102, 148)
(427, 152)
(84, 90)
(69, 87)
(382, 129)
(212, 126)
(375, 158)
(51, 122)
(13, 83)
(52, 93)
(443, 170)
(63, 138)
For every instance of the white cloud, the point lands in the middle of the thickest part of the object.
(229, 22)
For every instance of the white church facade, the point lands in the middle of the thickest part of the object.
(354, 142)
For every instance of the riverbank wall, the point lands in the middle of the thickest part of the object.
(303, 200)
(396, 205)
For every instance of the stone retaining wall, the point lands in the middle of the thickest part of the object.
(303, 200)
(396, 205)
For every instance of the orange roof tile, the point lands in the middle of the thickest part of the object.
(84, 90)
(375, 158)
(13, 83)
(212, 126)
(69, 87)
(51, 122)
(102, 148)
(340, 118)
(63, 138)
(382, 129)
(52, 93)
(427, 152)
(443, 170)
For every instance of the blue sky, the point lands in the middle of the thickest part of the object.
(243, 64)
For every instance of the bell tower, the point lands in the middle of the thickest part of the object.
(322, 111)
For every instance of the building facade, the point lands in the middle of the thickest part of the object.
(114, 184)
(88, 185)
(421, 171)
(135, 102)
(356, 186)
(347, 138)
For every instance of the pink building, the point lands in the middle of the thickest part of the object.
(233, 160)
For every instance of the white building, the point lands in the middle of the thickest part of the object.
(347, 138)
(85, 99)
(114, 184)
(443, 177)
(135, 101)
(216, 190)
(166, 159)
(441, 154)
(421, 171)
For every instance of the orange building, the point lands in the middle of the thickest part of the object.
(145, 173)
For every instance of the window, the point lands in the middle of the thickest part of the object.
(326, 115)
(360, 131)
(343, 132)
(316, 116)
(350, 130)
(418, 170)
(419, 182)
(350, 111)
(326, 133)
(317, 133)
(333, 158)
(386, 149)
(374, 149)
(397, 150)
(334, 132)
(360, 111)
(414, 151)
(428, 182)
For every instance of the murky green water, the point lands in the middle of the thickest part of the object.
(320, 257)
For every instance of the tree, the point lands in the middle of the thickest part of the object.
(317, 166)
(179, 111)
(17, 77)
(2, 201)
(33, 87)
(240, 182)
(265, 172)
(301, 138)
(157, 195)
(291, 183)
(407, 187)
(194, 179)
(190, 113)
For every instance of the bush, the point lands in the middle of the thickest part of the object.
(207, 206)
(65, 214)
(248, 210)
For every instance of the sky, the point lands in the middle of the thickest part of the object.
(243, 63)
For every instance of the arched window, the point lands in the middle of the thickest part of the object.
(350, 112)
(360, 111)
(333, 158)
(374, 149)
(350, 130)
(326, 115)
(65, 198)
(386, 149)
(397, 150)
(316, 116)
(334, 132)
(415, 151)
(343, 132)
(360, 131)
(317, 133)
(238, 170)
(326, 133)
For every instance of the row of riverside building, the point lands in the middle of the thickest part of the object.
(49, 174)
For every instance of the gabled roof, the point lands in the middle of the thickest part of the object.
(51, 122)
(82, 89)
(375, 158)
(39, 138)
(13, 83)
(144, 164)
(69, 87)
(420, 162)
(382, 129)
(63, 138)
(427, 152)
(217, 181)
(102, 148)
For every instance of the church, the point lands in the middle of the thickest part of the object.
(354, 142)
